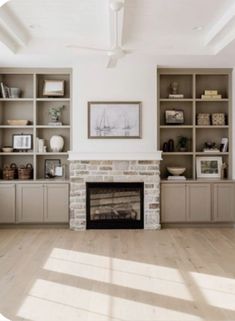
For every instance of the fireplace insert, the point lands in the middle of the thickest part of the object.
(115, 205)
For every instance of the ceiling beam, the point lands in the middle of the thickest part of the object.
(7, 40)
(13, 26)
(218, 29)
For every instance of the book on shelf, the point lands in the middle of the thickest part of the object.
(176, 178)
(176, 96)
(3, 90)
(211, 96)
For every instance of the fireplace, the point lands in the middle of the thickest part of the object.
(115, 205)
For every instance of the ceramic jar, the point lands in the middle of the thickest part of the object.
(57, 143)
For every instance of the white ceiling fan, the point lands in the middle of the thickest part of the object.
(116, 52)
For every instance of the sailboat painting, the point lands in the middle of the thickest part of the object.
(114, 119)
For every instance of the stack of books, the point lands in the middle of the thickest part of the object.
(211, 94)
(179, 96)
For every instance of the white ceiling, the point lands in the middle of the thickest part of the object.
(156, 28)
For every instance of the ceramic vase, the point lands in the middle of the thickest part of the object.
(57, 143)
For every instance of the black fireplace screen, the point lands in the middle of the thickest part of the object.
(115, 205)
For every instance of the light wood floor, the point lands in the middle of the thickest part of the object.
(172, 274)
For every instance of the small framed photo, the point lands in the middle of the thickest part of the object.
(51, 168)
(114, 119)
(22, 141)
(174, 117)
(209, 167)
(53, 88)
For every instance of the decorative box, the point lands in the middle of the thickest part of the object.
(218, 119)
(203, 119)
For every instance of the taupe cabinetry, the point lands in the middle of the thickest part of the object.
(7, 203)
(56, 203)
(29, 203)
(173, 203)
(42, 203)
(223, 202)
(197, 202)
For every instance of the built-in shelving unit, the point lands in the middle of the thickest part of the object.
(34, 107)
(192, 84)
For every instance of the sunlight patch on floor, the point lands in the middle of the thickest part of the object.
(50, 301)
(130, 274)
(218, 291)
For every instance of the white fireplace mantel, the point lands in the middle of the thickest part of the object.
(74, 155)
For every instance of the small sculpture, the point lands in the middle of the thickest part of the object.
(174, 88)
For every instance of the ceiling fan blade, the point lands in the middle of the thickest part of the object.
(87, 48)
(112, 62)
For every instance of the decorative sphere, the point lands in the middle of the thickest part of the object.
(57, 143)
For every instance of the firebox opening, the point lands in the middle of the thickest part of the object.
(115, 205)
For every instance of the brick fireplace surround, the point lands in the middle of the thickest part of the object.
(140, 167)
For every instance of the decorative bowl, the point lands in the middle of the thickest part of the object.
(176, 171)
(7, 149)
(17, 122)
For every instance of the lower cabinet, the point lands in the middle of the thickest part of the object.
(173, 203)
(39, 203)
(223, 200)
(7, 203)
(197, 202)
(56, 203)
(29, 203)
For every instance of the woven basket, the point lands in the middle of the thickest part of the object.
(10, 172)
(25, 172)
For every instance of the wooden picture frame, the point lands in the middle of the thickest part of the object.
(174, 117)
(50, 167)
(53, 88)
(209, 167)
(22, 141)
(115, 120)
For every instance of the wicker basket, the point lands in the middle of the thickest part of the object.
(25, 172)
(10, 172)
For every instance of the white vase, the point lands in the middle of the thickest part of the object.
(57, 143)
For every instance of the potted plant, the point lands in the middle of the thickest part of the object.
(182, 143)
(55, 113)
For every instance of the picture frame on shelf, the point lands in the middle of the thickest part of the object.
(114, 120)
(174, 117)
(209, 167)
(22, 142)
(53, 88)
(50, 166)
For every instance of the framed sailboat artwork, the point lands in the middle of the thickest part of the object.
(114, 119)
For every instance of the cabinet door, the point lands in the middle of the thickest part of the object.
(173, 203)
(223, 201)
(198, 202)
(7, 203)
(29, 203)
(56, 203)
